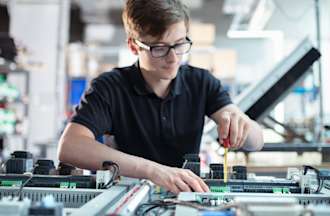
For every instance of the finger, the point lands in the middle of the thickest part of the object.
(224, 124)
(245, 135)
(240, 132)
(203, 185)
(182, 186)
(233, 130)
(201, 182)
(192, 182)
(174, 189)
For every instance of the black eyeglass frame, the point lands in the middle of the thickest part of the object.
(153, 47)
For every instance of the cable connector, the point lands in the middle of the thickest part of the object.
(102, 178)
(106, 177)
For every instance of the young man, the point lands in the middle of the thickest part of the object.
(155, 108)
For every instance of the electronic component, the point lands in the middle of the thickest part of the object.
(254, 186)
(216, 171)
(65, 169)
(192, 162)
(239, 172)
(253, 204)
(12, 180)
(44, 167)
(106, 178)
(261, 206)
(103, 177)
(20, 162)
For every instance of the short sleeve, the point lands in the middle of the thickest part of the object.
(94, 111)
(217, 97)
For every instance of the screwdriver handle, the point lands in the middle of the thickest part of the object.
(226, 142)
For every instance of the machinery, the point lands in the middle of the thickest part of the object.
(301, 192)
(252, 204)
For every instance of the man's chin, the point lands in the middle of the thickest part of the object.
(170, 75)
(170, 71)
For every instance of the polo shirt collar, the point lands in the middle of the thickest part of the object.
(140, 86)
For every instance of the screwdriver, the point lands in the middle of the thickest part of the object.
(226, 144)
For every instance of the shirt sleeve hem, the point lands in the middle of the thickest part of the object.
(217, 107)
(84, 123)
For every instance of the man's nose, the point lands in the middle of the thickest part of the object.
(171, 56)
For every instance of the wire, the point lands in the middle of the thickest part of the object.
(114, 173)
(143, 209)
(327, 186)
(157, 206)
(317, 172)
(20, 192)
(199, 206)
(114, 170)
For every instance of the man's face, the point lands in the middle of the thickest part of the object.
(165, 67)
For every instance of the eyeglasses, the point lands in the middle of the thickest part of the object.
(159, 51)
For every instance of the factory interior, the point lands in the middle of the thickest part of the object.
(241, 127)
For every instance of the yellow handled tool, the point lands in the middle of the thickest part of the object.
(226, 144)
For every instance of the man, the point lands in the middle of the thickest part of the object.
(155, 108)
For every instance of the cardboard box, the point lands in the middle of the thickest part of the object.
(202, 33)
(201, 59)
(224, 63)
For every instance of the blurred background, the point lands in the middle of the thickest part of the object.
(51, 49)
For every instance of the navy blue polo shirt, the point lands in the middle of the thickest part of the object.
(160, 129)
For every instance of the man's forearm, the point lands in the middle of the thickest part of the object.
(86, 153)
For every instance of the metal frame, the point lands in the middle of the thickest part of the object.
(71, 198)
(100, 204)
(258, 100)
(294, 202)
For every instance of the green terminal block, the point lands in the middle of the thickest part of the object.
(64, 185)
(68, 185)
(11, 183)
(286, 190)
(277, 190)
(220, 189)
(281, 190)
(72, 185)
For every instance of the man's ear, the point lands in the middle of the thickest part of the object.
(132, 46)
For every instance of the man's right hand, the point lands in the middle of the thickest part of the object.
(77, 137)
(176, 179)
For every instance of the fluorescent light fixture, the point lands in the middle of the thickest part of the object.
(254, 34)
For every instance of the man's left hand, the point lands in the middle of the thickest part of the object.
(236, 125)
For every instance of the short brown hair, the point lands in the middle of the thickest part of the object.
(153, 17)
